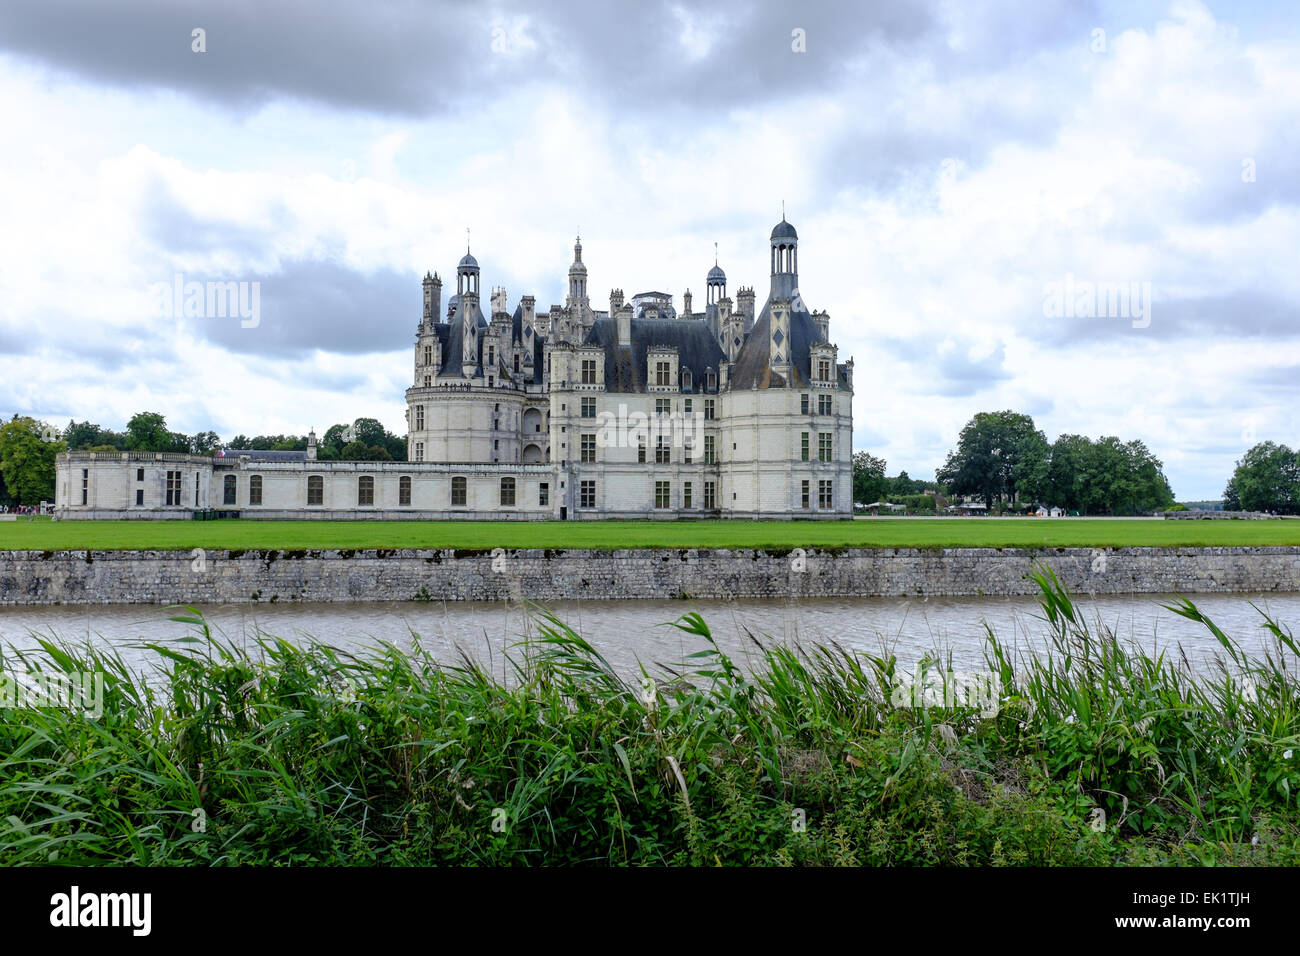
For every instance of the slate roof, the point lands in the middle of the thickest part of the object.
(260, 454)
(625, 369)
(752, 370)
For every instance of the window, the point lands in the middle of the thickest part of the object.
(640, 453)
(686, 378)
(824, 495)
(687, 444)
(404, 491)
(803, 404)
(587, 494)
(708, 409)
(366, 490)
(824, 446)
(803, 494)
(824, 405)
(823, 370)
(419, 418)
(662, 493)
(663, 454)
(709, 456)
(686, 405)
(255, 490)
(712, 378)
(419, 451)
(588, 371)
(508, 492)
(588, 409)
(686, 494)
(803, 446)
(516, 364)
(315, 490)
(710, 495)
(544, 494)
(428, 380)
(458, 492)
(139, 496)
(588, 449)
(174, 488)
(229, 492)
(196, 489)
(663, 406)
(492, 381)
(139, 474)
(662, 373)
(85, 485)
(492, 355)
(428, 355)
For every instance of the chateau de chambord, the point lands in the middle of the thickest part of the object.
(638, 411)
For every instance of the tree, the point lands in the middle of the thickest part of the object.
(147, 431)
(996, 452)
(205, 443)
(84, 435)
(1267, 478)
(27, 460)
(869, 481)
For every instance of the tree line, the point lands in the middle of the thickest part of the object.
(1002, 459)
(28, 447)
(1267, 478)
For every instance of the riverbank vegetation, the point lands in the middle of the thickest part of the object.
(863, 533)
(1096, 754)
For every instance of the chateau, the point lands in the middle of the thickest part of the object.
(637, 412)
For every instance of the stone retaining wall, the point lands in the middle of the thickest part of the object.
(181, 577)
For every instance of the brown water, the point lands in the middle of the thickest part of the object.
(628, 632)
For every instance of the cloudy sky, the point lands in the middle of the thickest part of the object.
(955, 170)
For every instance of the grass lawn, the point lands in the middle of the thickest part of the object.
(42, 535)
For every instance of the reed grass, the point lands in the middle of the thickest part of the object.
(286, 754)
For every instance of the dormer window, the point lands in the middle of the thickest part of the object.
(686, 379)
(712, 379)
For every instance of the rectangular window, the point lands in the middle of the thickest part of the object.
(663, 454)
(139, 474)
(508, 492)
(85, 486)
(686, 405)
(366, 490)
(419, 451)
(686, 494)
(803, 494)
(174, 487)
(803, 446)
(687, 445)
(710, 495)
(824, 446)
(231, 488)
(588, 449)
(587, 494)
(458, 492)
(824, 406)
(516, 363)
(663, 491)
(139, 496)
(315, 490)
(588, 371)
(708, 409)
(662, 376)
(640, 453)
(255, 490)
(824, 495)
(196, 489)
(428, 355)
(663, 406)
(544, 494)
(419, 418)
(803, 404)
(588, 409)
(404, 491)
(492, 355)
(709, 456)
(824, 370)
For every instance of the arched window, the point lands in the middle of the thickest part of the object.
(365, 490)
(404, 490)
(315, 490)
(255, 490)
(229, 486)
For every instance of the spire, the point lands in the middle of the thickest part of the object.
(467, 233)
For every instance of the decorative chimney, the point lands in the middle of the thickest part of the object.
(615, 301)
(686, 304)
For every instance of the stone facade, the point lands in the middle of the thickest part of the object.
(175, 577)
(638, 412)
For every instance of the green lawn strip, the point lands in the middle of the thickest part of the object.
(878, 533)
